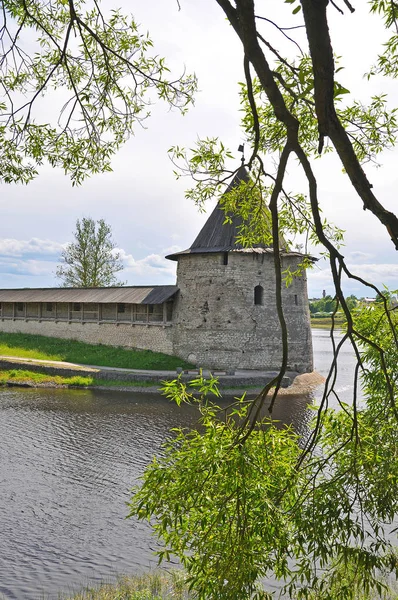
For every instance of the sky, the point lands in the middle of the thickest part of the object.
(144, 203)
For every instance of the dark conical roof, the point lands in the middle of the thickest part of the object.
(217, 235)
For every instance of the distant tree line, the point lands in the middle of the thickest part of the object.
(327, 305)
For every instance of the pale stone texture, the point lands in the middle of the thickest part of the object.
(145, 337)
(217, 322)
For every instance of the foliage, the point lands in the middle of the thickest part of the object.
(101, 76)
(238, 505)
(48, 348)
(323, 305)
(328, 305)
(209, 481)
(150, 586)
(91, 260)
(378, 326)
(371, 127)
(352, 302)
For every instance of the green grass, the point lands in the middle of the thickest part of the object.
(22, 376)
(33, 378)
(326, 323)
(45, 348)
(153, 586)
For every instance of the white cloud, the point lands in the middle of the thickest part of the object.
(34, 246)
(320, 279)
(172, 250)
(152, 269)
(358, 257)
(37, 268)
(22, 260)
(33, 262)
(379, 274)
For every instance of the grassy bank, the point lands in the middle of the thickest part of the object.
(15, 377)
(154, 586)
(326, 323)
(45, 348)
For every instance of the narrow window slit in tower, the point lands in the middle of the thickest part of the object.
(258, 295)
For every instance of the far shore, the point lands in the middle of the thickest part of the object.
(326, 323)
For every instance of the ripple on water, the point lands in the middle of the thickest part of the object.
(68, 460)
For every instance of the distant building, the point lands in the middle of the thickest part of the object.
(221, 314)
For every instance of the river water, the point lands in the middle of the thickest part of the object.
(68, 459)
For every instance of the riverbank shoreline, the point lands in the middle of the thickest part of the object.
(302, 385)
(128, 380)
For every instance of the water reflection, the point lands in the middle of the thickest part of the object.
(67, 462)
(323, 347)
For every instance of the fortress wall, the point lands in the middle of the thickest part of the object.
(217, 323)
(145, 337)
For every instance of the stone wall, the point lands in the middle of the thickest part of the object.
(145, 337)
(224, 316)
(216, 322)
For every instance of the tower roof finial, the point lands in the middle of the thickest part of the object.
(242, 149)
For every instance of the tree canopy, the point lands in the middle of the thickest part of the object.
(91, 260)
(102, 77)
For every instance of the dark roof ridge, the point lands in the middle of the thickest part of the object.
(105, 287)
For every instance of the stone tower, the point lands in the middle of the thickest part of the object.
(225, 314)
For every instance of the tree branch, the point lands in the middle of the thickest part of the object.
(328, 121)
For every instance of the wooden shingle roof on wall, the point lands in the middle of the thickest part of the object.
(156, 294)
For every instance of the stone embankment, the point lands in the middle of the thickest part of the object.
(229, 383)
